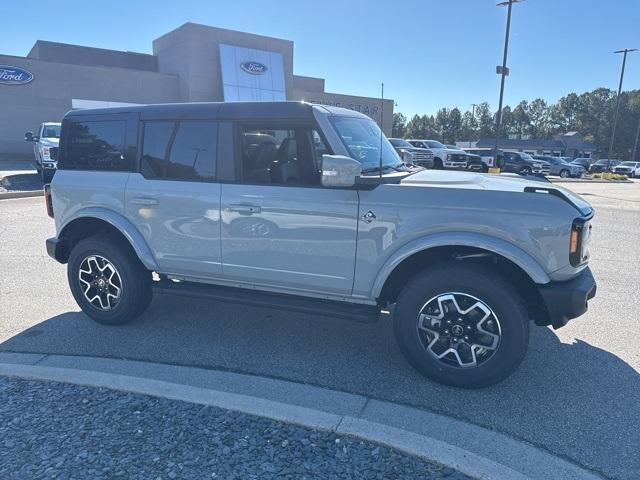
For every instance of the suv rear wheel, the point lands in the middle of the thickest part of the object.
(461, 325)
(108, 281)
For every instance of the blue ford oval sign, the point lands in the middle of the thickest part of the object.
(254, 68)
(10, 75)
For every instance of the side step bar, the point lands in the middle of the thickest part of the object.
(349, 311)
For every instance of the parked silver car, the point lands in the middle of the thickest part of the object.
(308, 207)
(560, 167)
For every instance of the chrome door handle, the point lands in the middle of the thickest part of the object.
(144, 201)
(244, 208)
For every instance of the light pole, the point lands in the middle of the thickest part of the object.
(473, 118)
(615, 115)
(635, 144)
(503, 71)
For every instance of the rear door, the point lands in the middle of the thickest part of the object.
(174, 198)
(280, 227)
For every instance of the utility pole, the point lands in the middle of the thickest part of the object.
(473, 117)
(615, 115)
(635, 144)
(503, 71)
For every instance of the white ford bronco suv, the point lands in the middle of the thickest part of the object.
(309, 208)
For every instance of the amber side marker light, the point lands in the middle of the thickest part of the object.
(574, 240)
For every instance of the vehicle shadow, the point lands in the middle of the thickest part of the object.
(574, 399)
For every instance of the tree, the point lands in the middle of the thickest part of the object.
(521, 120)
(469, 129)
(485, 120)
(399, 128)
(590, 113)
(454, 126)
(539, 116)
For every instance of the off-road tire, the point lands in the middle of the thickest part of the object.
(136, 280)
(482, 283)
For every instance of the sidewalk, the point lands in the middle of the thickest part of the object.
(183, 415)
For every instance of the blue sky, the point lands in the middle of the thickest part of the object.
(428, 53)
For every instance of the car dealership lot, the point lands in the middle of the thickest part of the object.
(577, 393)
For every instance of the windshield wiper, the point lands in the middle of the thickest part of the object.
(400, 167)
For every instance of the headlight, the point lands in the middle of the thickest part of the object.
(407, 156)
(45, 153)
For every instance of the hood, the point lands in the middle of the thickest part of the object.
(497, 183)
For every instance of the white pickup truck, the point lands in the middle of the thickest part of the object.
(45, 148)
(442, 156)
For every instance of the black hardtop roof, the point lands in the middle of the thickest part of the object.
(209, 110)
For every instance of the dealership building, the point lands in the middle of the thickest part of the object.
(193, 63)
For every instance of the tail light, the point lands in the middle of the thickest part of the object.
(47, 200)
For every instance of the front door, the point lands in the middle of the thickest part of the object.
(174, 200)
(280, 227)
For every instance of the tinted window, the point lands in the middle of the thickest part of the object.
(96, 145)
(319, 149)
(180, 150)
(280, 156)
(51, 131)
(157, 136)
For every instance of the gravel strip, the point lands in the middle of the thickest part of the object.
(54, 430)
(20, 182)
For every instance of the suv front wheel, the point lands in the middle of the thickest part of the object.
(107, 280)
(461, 325)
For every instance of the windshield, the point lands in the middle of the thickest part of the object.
(628, 164)
(398, 142)
(363, 139)
(526, 156)
(51, 131)
(434, 144)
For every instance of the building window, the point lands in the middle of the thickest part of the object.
(179, 150)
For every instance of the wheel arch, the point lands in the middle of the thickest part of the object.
(510, 261)
(92, 221)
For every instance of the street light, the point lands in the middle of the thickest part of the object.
(635, 144)
(503, 71)
(615, 115)
(473, 118)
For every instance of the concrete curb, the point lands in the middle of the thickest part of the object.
(25, 194)
(586, 182)
(470, 449)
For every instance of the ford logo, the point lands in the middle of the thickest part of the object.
(10, 75)
(254, 68)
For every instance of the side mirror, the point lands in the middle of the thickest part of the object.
(28, 137)
(340, 171)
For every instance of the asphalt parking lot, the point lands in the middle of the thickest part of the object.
(577, 393)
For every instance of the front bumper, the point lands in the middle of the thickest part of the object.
(567, 300)
(456, 165)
